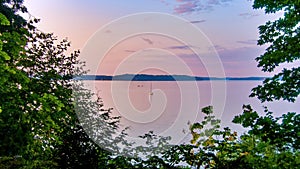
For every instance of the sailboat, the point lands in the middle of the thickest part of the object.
(150, 91)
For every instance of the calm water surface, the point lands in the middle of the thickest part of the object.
(167, 107)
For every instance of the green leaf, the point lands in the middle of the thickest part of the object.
(4, 20)
(4, 55)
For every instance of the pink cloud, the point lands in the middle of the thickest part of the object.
(186, 7)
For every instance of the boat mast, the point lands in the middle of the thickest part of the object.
(150, 92)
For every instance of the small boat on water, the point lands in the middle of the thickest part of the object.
(151, 92)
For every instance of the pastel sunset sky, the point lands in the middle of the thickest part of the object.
(229, 25)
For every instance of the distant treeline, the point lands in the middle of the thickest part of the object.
(146, 77)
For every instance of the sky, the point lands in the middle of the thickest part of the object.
(227, 29)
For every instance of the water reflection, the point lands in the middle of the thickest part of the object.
(143, 94)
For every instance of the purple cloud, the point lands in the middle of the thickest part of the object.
(188, 6)
(238, 61)
(183, 47)
(217, 48)
(149, 41)
(241, 61)
(199, 21)
(248, 15)
(248, 42)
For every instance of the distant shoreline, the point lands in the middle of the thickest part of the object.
(146, 77)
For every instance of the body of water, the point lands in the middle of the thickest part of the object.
(167, 107)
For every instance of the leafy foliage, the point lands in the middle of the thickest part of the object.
(39, 127)
(38, 123)
(283, 35)
(269, 143)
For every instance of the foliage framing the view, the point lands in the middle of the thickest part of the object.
(39, 127)
(38, 123)
(283, 36)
